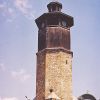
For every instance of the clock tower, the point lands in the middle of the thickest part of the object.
(54, 56)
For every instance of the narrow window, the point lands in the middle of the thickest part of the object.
(66, 61)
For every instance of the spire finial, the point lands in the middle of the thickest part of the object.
(87, 91)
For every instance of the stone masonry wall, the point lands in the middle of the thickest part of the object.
(40, 77)
(54, 71)
(59, 74)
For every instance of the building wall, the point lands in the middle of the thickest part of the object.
(54, 71)
(52, 37)
(59, 74)
(58, 37)
(40, 77)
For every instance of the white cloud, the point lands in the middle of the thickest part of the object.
(2, 67)
(6, 98)
(7, 12)
(25, 7)
(21, 75)
(22, 5)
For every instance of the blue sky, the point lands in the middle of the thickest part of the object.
(18, 46)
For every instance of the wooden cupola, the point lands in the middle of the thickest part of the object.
(54, 17)
(54, 28)
(54, 6)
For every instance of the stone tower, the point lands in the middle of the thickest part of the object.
(54, 57)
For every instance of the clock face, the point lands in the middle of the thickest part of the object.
(64, 23)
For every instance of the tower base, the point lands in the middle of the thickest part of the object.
(54, 71)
